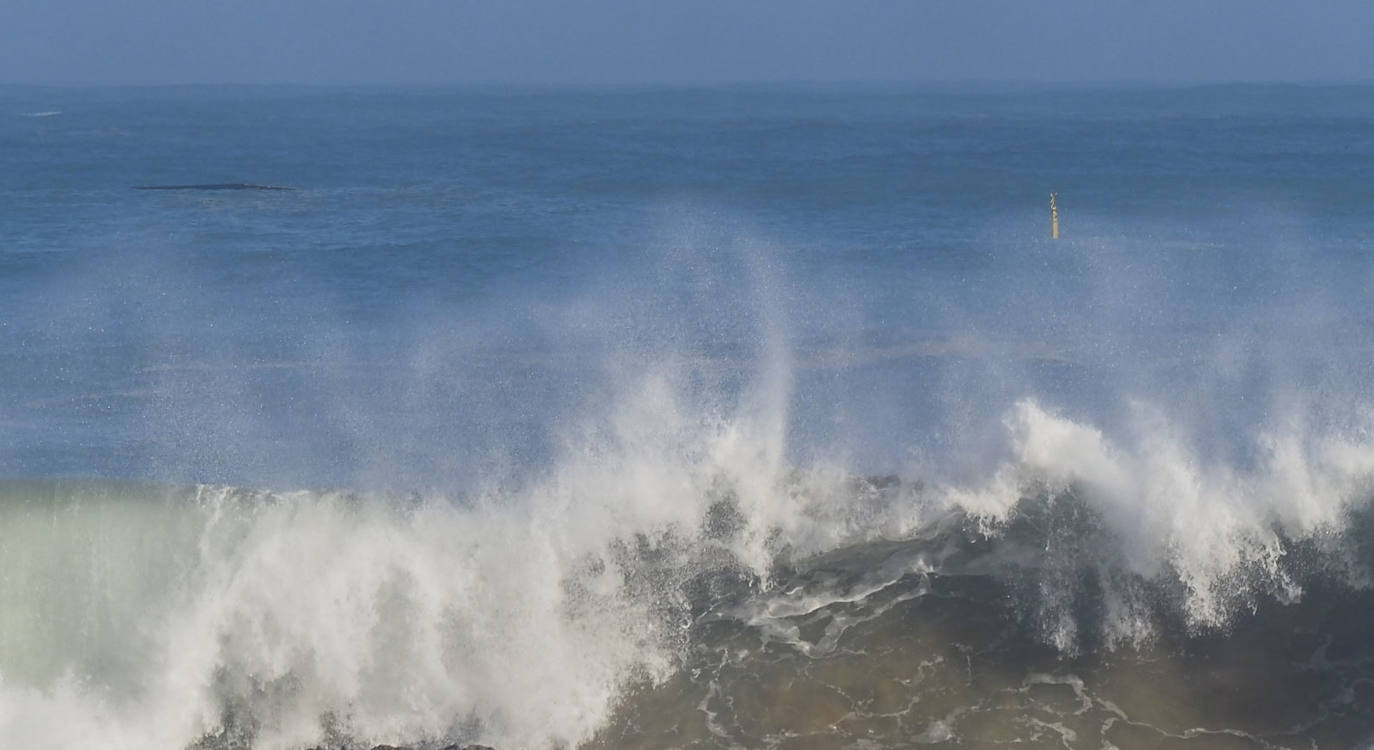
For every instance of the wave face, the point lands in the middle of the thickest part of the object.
(689, 587)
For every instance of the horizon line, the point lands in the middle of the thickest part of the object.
(983, 83)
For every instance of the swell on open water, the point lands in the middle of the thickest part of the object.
(737, 418)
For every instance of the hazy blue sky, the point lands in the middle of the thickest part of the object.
(680, 41)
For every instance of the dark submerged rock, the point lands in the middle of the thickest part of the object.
(215, 186)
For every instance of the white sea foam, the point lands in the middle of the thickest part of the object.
(136, 616)
(1222, 530)
(142, 616)
(396, 621)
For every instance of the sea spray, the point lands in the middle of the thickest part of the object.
(284, 616)
(138, 613)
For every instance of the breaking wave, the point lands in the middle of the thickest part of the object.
(139, 615)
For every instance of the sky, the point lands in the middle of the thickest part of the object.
(613, 42)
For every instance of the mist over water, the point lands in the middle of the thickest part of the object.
(748, 418)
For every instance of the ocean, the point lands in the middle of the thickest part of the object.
(738, 417)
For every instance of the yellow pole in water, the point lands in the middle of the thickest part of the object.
(1054, 218)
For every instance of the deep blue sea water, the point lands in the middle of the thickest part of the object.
(218, 336)
(611, 308)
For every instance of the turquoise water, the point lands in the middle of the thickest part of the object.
(595, 323)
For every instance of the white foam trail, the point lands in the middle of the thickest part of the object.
(51, 113)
